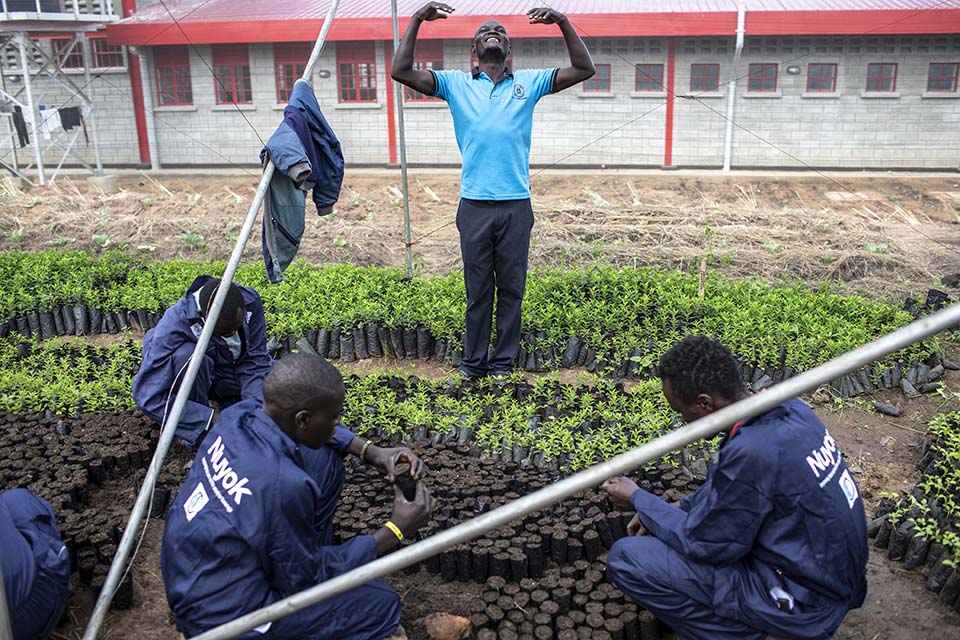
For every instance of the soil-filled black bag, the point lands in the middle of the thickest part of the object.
(33, 319)
(4, 329)
(334, 351)
(440, 350)
(405, 482)
(322, 344)
(938, 576)
(883, 535)
(120, 319)
(396, 340)
(58, 321)
(950, 589)
(409, 337)
(48, 329)
(22, 326)
(374, 348)
(570, 354)
(347, 346)
(107, 323)
(360, 343)
(916, 553)
(66, 317)
(384, 335)
(424, 343)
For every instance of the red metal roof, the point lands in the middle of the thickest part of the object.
(221, 21)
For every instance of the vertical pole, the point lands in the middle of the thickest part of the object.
(671, 99)
(92, 110)
(34, 117)
(403, 147)
(14, 138)
(151, 121)
(6, 630)
(732, 86)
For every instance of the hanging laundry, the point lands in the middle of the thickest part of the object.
(70, 118)
(49, 121)
(307, 156)
(21, 126)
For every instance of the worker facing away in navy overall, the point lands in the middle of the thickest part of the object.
(36, 565)
(253, 523)
(774, 542)
(233, 368)
(492, 109)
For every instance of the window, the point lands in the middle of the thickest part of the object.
(822, 78)
(74, 59)
(942, 77)
(231, 71)
(882, 77)
(106, 55)
(649, 78)
(428, 55)
(704, 77)
(600, 82)
(762, 78)
(172, 69)
(356, 72)
(289, 63)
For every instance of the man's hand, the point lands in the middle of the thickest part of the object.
(387, 460)
(635, 527)
(545, 15)
(412, 516)
(620, 490)
(433, 11)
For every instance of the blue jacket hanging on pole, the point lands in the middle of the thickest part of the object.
(307, 156)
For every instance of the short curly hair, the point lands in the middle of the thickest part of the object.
(698, 365)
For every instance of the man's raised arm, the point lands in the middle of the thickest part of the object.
(581, 64)
(402, 70)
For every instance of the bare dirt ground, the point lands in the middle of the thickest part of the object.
(879, 236)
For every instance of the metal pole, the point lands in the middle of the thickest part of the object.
(144, 55)
(88, 83)
(704, 428)
(6, 630)
(732, 86)
(34, 114)
(14, 138)
(404, 184)
(169, 429)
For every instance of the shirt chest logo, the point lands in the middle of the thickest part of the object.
(196, 502)
(519, 92)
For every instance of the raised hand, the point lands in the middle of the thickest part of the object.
(434, 11)
(545, 15)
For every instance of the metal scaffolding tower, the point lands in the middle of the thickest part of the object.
(20, 107)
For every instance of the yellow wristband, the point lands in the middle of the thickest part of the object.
(363, 451)
(395, 529)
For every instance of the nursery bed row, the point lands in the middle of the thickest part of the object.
(922, 528)
(598, 317)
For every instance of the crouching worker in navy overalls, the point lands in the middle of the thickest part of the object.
(36, 565)
(773, 543)
(253, 522)
(233, 368)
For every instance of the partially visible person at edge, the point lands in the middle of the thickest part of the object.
(774, 542)
(253, 523)
(492, 109)
(233, 368)
(36, 565)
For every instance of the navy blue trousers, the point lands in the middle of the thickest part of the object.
(370, 612)
(220, 385)
(494, 244)
(41, 610)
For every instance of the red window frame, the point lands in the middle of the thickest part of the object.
(231, 70)
(649, 79)
(428, 55)
(171, 70)
(821, 77)
(942, 77)
(356, 73)
(72, 61)
(289, 63)
(106, 55)
(879, 74)
(704, 77)
(600, 82)
(760, 75)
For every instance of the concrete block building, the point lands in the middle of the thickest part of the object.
(851, 84)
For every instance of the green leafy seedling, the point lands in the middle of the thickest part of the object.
(870, 247)
(61, 241)
(102, 239)
(193, 240)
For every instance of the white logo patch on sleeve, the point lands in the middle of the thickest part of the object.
(849, 488)
(197, 501)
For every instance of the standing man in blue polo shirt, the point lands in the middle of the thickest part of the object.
(492, 110)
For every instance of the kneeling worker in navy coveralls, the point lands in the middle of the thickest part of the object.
(233, 368)
(36, 565)
(253, 522)
(774, 542)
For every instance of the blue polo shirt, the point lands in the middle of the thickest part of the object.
(493, 124)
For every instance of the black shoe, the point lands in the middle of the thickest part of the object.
(466, 375)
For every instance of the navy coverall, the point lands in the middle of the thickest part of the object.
(166, 353)
(780, 510)
(36, 565)
(253, 524)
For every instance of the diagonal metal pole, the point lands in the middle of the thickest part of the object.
(405, 184)
(706, 427)
(168, 430)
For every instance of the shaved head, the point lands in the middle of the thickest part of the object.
(300, 380)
